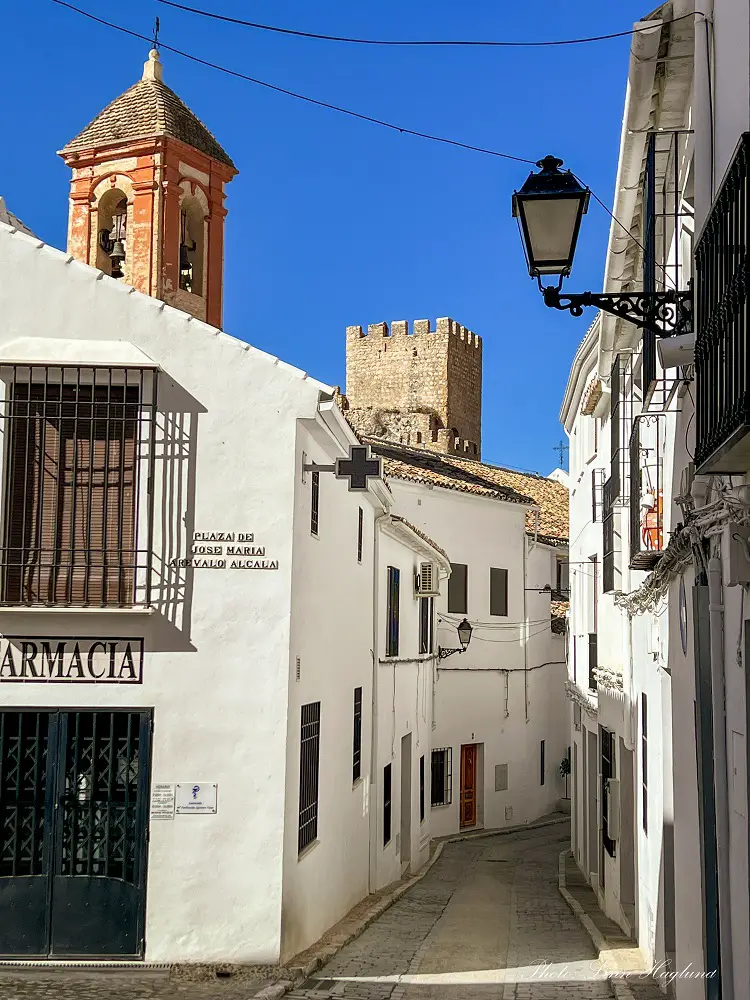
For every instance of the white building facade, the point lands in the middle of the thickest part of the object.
(673, 550)
(499, 729)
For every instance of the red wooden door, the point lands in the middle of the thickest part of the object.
(468, 785)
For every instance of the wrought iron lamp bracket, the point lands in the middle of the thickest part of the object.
(443, 652)
(666, 314)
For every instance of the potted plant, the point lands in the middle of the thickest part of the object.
(564, 772)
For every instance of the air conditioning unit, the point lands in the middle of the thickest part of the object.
(425, 584)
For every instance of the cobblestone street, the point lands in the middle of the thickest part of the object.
(487, 911)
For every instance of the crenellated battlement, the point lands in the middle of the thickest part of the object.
(421, 386)
(444, 327)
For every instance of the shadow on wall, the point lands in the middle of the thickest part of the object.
(175, 473)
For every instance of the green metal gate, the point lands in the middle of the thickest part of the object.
(73, 831)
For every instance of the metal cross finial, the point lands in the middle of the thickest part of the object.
(156, 33)
(561, 448)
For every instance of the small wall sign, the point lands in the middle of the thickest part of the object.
(70, 660)
(162, 801)
(196, 797)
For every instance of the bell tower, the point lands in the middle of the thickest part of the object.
(147, 197)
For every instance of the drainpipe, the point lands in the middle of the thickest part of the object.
(716, 620)
(373, 804)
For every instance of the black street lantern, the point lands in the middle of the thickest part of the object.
(464, 633)
(549, 208)
(464, 630)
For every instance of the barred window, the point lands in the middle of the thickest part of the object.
(314, 502)
(442, 776)
(421, 789)
(309, 760)
(426, 639)
(77, 449)
(357, 750)
(392, 611)
(386, 804)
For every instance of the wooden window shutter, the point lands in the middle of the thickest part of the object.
(70, 525)
(457, 589)
(499, 592)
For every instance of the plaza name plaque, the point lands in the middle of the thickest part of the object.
(70, 660)
(225, 550)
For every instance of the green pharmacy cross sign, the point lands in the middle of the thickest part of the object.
(358, 468)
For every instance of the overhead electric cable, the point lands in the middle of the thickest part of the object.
(324, 104)
(489, 43)
(292, 93)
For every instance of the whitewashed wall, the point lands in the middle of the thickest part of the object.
(485, 695)
(331, 633)
(404, 716)
(217, 662)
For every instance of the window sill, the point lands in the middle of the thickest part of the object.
(56, 609)
(419, 658)
(308, 850)
(440, 805)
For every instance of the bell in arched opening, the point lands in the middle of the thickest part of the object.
(112, 237)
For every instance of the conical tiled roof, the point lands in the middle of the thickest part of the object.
(149, 108)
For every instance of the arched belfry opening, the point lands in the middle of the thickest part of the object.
(147, 197)
(112, 233)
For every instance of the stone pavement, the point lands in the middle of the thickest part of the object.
(488, 911)
(486, 922)
(79, 985)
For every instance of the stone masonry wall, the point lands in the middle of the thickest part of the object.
(422, 388)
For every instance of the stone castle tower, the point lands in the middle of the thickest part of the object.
(147, 197)
(422, 389)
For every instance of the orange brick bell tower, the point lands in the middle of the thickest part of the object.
(147, 197)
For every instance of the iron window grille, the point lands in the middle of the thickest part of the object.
(646, 490)
(357, 743)
(608, 535)
(442, 776)
(426, 624)
(309, 762)
(360, 534)
(593, 660)
(392, 611)
(314, 502)
(78, 457)
(667, 217)
(621, 421)
(644, 760)
(421, 789)
(721, 370)
(608, 771)
(386, 804)
(597, 494)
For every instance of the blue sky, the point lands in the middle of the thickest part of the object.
(333, 221)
